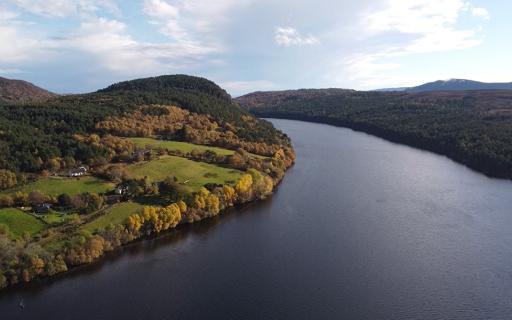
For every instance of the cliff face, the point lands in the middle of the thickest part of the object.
(19, 91)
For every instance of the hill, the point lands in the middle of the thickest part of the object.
(82, 175)
(201, 112)
(471, 127)
(453, 85)
(19, 91)
(266, 98)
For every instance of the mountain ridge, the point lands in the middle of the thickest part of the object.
(452, 85)
(21, 91)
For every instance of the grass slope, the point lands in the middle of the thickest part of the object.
(115, 215)
(177, 145)
(20, 222)
(55, 186)
(196, 174)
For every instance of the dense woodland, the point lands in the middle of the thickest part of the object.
(472, 127)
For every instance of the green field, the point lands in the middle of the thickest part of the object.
(177, 145)
(55, 218)
(20, 222)
(191, 173)
(115, 215)
(55, 186)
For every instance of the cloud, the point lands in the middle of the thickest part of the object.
(288, 36)
(431, 23)
(19, 45)
(118, 51)
(480, 13)
(192, 21)
(416, 27)
(161, 9)
(64, 8)
(107, 40)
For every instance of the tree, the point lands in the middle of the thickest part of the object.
(64, 200)
(170, 188)
(54, 164)
(199, 198)
(7, 179)
(212, 204)
(243, 187)
(229, 195)
(36, 198)
(6, 201)
(77, 201)
(20, 199)
(93, 202)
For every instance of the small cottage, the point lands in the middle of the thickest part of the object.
(78, 172)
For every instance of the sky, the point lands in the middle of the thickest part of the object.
(75, 46)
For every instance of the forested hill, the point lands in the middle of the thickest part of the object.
(33, 136)
(471, 127)
(19, 91)
(171, 82)
(270, 98)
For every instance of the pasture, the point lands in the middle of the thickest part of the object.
(191, 174)
(20, 222)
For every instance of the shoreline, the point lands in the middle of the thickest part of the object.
(117, 251)
(391, 136)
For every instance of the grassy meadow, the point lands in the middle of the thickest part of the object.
(54, 186)
(192, 174)
(117, 214)
(177, 145)
(20, 222)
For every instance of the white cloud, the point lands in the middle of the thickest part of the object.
(192, 21)
(161, 9)
(64, 8)
(415, 16)
(416, 27)
(18, 45)
(288, 36)
(107, 40)
(480, 12)
(119, 52)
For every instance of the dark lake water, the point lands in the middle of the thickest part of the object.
(360, 228)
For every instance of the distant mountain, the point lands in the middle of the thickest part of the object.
(400, 89)
(20, 91)
(266, 98)
(453, 85)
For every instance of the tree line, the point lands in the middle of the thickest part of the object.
(23, 260)
(473, 128)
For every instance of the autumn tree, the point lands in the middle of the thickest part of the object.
(243, 187)
(7, 179)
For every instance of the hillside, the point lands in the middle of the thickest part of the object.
(82, 175)
(262, 99)
(19, 91)
(34, 135)
(471, 127)
(453, 85)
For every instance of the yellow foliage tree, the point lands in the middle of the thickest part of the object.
(213, 204)
(229, 195)
(182, 205)
(244, 184)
